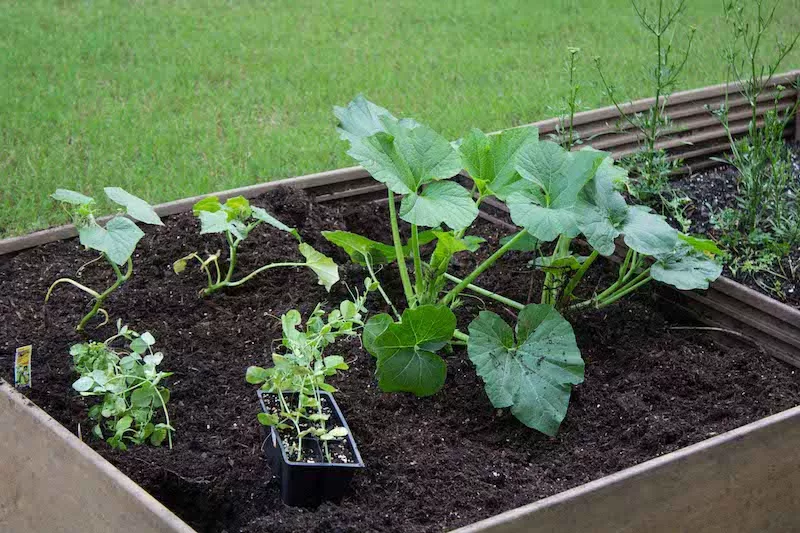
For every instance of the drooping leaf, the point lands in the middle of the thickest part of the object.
(405, 158)
(556, 177)
(323, 266)
(262, 215)
(406, 350)
(491, 159)
(532, 374)
(376, 325)
(71, 197)
(117, 240)
(358, 246)
(686, 268)
(441, 202)
(134, 206)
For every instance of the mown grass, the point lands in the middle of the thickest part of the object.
(175, 98)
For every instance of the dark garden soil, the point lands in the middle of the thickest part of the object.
(432, 463)
(715, 190)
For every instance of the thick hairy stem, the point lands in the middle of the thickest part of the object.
(458, 335)
(455, 291)
(624, 292)
(398, 250)
(487, 293)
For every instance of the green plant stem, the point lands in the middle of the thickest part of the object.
(418, 280)
(551, 280)
(455, 291)
(398, 250)
(254, 273)
(98, 302)
(233, 246)
(487, 293)
(624, 292)
(577, 277)
(460, 336)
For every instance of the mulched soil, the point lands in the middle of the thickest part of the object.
(715, 190)
(433, 463)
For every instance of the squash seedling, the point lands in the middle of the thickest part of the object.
(553, 195)
(299, 373)
(129, 382)
(116, 241)
(236, 219)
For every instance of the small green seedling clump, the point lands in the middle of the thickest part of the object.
(236, 219)
(129, 383)
(299, 373)
(553, 196)
(116, 241)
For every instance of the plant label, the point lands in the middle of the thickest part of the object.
(22, 366)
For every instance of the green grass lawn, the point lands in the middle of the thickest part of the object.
(170, 99)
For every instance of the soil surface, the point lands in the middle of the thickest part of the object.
(433, 463)
(714, 190)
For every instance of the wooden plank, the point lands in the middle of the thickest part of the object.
(745, 480)
(51, 481)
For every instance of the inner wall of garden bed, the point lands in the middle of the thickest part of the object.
(433, 463)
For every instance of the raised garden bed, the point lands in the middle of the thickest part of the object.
(434, 463)
(654, 384)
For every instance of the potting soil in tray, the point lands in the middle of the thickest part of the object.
(433, 463)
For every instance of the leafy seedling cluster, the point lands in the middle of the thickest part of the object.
(554, 196)
(298, 374)
(236, 219)
(129, 383)
(116, 241)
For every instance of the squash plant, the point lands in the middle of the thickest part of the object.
(236, 219)
(130, 385)
(116, 241)
(298, 375)
(554, 196)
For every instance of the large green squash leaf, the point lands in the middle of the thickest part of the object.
(441, 202)
(361, 118)
(686, 268)
(533, 374)
(556, 177)
(406, 350)
(406, 158)
(491, 159)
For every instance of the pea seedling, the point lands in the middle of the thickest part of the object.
(298, 375)
(236, 219)
(130, 385)
(116, 241)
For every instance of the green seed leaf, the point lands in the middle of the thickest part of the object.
(71, 197)
(256, 375)
(117, 240)
(406, 350)
(442, 202)
(532, 374)
(686, 268)
(491, 159)
(268, 419)
(323, 266)
(135, 206)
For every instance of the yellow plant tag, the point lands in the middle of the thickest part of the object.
(22, 366)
